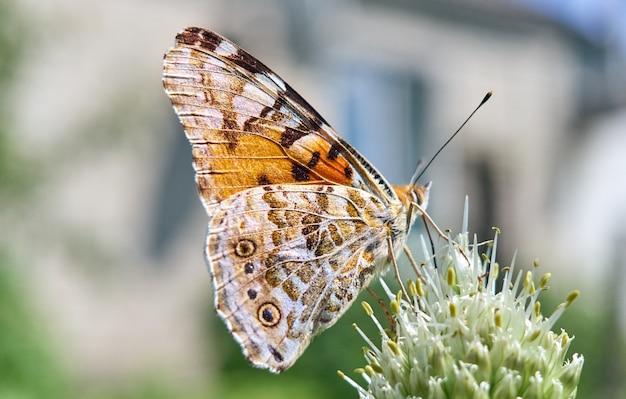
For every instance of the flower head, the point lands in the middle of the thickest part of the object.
(460, 336)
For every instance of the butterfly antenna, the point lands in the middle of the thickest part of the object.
(484, 100)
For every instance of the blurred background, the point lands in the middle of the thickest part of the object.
(103, 288)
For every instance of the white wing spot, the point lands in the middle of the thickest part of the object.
(326, 127)
(275, 85)
(256, 94)
(246, 107)
(226, 49)
(278, 81)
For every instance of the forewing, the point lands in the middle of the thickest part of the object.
(246, 126)
(287, 262)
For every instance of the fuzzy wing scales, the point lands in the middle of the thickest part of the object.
(246, 126)
(288, 261)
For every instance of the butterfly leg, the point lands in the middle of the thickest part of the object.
(396, 271)
(382, 305)
(438, 230)
(413, 263)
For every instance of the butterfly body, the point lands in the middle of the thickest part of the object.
(299, 220)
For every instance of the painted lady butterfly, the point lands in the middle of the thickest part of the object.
(300, 221)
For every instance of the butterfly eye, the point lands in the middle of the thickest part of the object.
(415, 197)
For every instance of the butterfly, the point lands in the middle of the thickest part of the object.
(299, 221)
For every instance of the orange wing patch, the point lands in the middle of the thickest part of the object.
(244, 130)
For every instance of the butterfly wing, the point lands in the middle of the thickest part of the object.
(249, 128)
(298, 218)
(287, 262)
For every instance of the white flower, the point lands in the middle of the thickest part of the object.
(462, 337)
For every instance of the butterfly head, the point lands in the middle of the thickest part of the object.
(412, 195)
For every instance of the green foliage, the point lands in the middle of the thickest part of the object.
(597, 335)
(12, 33)
(28, 368)
(15, 175)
